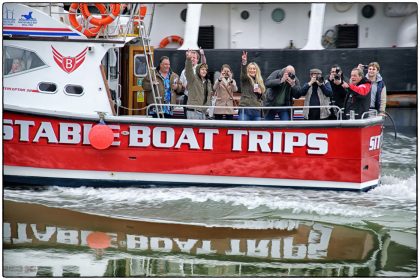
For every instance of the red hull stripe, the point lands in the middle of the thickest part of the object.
(38, 29)
(180, 178)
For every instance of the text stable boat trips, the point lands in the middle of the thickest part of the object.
(63, 92)
(286, 245)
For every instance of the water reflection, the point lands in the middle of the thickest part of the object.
(44, 241)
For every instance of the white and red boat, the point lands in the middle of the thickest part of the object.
(63, 91)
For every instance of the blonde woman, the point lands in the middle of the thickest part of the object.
(17, 66)
(252, 90)
(224, 87)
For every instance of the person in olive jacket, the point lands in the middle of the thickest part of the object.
(252, 90)
(167, 84)
(199, 88)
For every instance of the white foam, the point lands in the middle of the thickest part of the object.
(392, 193)
(395, 188)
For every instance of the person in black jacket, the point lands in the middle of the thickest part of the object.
(281, 85)
(336, 79)
(358, 97)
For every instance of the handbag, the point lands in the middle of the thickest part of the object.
(213, 103)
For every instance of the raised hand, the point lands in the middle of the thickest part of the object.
(244, 57)
(230, 75)
(312, 81)
(345, 85)
(189, 54)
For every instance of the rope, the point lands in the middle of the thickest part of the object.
(130, 109)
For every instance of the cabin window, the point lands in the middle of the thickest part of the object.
(140, 65)
(17, 60)
(73, 90)
(47, 87)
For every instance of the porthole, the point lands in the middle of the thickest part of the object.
(73, 90)
(342, 7)
(368, 11)
(183, 15)
(47, 87)
(244, 15)
(278, 15)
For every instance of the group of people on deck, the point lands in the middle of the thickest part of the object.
(357, 96)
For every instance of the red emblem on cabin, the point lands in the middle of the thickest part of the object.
(68, 63)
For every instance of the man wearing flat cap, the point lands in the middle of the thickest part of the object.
(317, 92)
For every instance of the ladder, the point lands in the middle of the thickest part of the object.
(157, 98)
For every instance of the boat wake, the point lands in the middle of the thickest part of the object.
(255, 207)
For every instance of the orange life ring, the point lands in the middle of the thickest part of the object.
(171, 39)
(142, 14)
(107, 19)
(89, 32)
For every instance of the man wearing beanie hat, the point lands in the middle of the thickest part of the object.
(317, 92)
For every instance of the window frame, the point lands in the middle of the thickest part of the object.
(47, 92)
(134, 66)
(73, 94)
(45, 65)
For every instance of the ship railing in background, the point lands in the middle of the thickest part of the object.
(339, 111)
(125, 25)
(128, 25)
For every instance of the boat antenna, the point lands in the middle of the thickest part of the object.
(151, 20)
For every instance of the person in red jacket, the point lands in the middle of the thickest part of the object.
(358, 96)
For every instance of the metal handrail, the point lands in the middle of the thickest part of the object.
(370, 112)
(339, 110)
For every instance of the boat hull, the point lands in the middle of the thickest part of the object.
(45, 148)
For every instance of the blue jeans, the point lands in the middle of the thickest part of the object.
(249, 115)
(283, 114)
(195, 115)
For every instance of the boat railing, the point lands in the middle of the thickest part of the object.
(339, 111)
(124, 25)
(371, 113)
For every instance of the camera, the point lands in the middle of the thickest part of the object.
(365, 66)
(291, 76)
(337, 75)
(320, 79)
